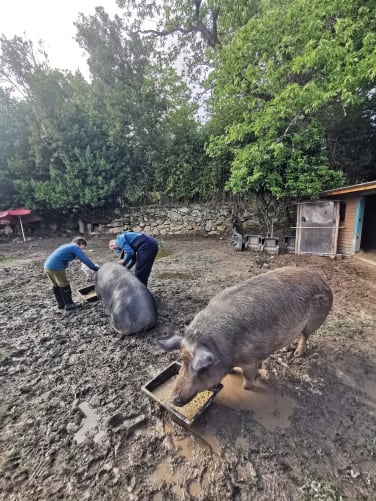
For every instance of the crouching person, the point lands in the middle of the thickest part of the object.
(55, 267)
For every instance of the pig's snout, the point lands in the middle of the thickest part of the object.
(178, 400)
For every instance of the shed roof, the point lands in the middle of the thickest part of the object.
(355, 188)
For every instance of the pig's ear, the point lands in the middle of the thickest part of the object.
(170, 343)
(203, 358)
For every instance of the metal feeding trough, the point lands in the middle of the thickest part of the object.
(290, 243)
(253, 242)
(88, 293)
(271, 245)
(160, 389)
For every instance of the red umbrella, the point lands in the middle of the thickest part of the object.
(10, 216)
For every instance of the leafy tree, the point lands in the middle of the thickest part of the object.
(213, 21)
(129, 100)
(177, 163)
(293, 105)
(275, 83)
(187, 33)
(9, 123)
(64, 161)
(149, 120)
(350, 139)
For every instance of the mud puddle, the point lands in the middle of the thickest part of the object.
(88, 423)
(165, 475)
(365, 386)
(270, 409)
(187, 447)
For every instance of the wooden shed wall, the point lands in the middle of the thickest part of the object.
(346, 232)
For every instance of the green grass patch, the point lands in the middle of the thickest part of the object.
(343, 326)
(321, 491)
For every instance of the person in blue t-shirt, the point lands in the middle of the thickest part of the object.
(137, 248)
(55, 267)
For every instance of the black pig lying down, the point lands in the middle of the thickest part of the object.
(125, 299)
(244, 324)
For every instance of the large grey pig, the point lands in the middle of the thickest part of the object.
(125, 299)
(244, 324)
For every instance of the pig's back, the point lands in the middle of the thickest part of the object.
(265, 309)
(125, 299)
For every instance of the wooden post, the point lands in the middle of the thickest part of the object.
(23, 234)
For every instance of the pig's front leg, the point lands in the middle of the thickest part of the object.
(249, 374)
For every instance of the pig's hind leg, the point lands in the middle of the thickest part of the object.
(302, 343)
(312, 325)
(249, 373)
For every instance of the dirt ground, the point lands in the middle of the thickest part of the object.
(76, 425)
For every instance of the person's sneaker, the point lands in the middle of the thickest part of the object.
(73, 306)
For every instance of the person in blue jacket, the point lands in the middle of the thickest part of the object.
(55, 267)
(137, 248)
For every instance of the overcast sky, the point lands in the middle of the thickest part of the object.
(51, 21)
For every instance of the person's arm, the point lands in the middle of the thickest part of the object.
(130, 257)
(84, 259)
(129, 261)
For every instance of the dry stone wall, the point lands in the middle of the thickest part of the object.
(194, 220)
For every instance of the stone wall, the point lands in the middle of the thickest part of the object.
(157, 220)
(194, 219)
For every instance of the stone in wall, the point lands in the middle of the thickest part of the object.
(173, 215)
(114, 223)
(115, 230)
(176, 228)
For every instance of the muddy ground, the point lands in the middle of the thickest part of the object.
(75, 424)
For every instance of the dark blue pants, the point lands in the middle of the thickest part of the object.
(146, 249)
